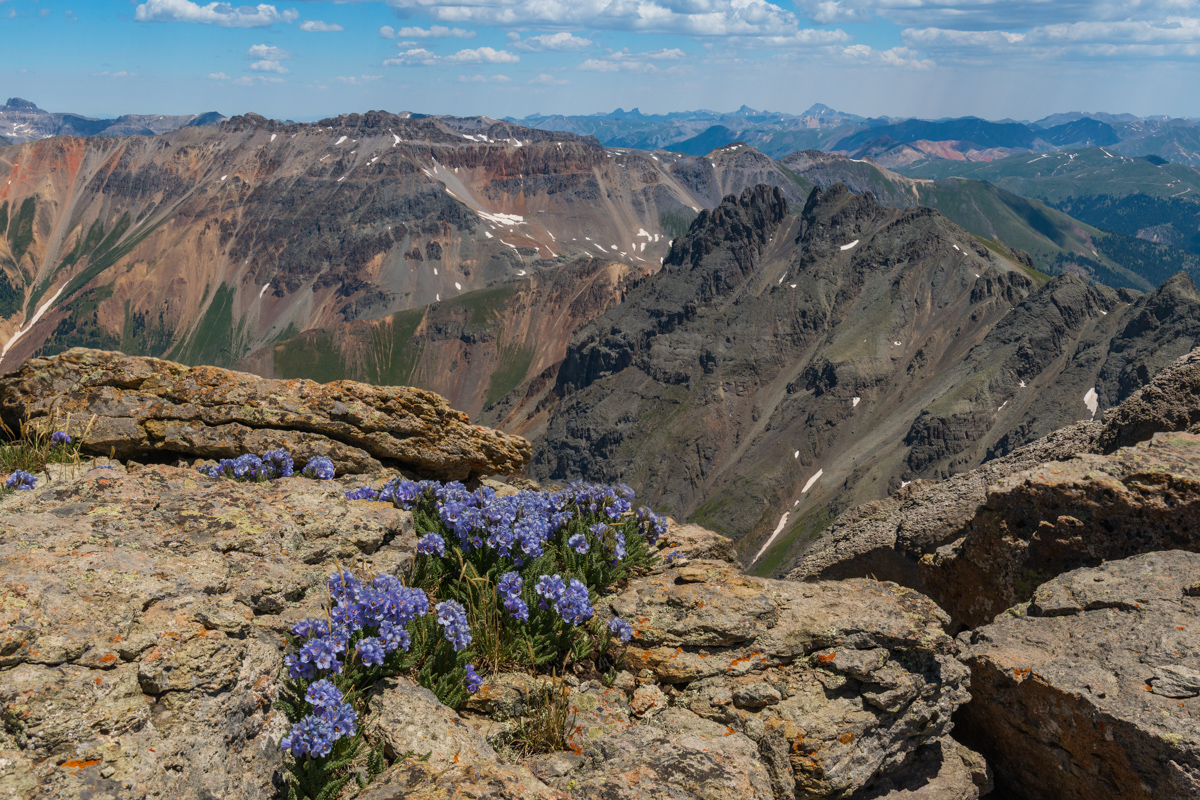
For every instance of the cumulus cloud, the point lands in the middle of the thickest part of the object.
(629, 61)
(549, 80)
(685, 17)
(268, 58)
(255, 80)
(557, 42)
(972, 15)
(224, 15)
(357, 80)
(432, 32)
(419, 56)
(1172, 37)
(218, 76)
(483, 79)
(895, 57)
(316, 26)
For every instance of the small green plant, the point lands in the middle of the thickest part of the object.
(36, 445)
(547, 726)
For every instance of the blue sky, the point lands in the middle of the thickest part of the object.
(306, 60)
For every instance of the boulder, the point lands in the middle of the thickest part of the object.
(836, 683)
(414, 780)
(688, 540)
(1167, 403)
(411, 722)
(676, 756)
(1091, 690)
(141, 619)
(135, 407)
(886, 538)
(944, 770)
(1064, 515)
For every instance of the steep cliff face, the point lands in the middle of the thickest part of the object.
(794, 365)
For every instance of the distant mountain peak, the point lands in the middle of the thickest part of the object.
(19, 104)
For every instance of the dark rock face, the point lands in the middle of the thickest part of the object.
(1067, 514)
(1091, 691)
(806, 364)
(1166, 404)
(139, 407)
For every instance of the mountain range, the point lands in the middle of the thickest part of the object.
(801, 334)
(22, 121)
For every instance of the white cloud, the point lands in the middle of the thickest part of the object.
(628, 61)
(268, 52)
(269, 66)
(224, 15)
(1172, 37)
(359, 80)
(685, 17)
(121, 74)
(549, 80)
(557, 42)
(894, 57)
(973, 15)
(482, 55)
(255, 80)
(433, 32)
(316, 26)
(218, 76)
(483, 79)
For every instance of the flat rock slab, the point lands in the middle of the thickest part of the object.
(1065, 515)
(146, 407)
(1091, 691)
(140, 625)
(836, 683)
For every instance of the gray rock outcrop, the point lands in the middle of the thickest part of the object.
(1091, 690)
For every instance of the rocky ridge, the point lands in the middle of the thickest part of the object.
(131, 407)
(802, 364)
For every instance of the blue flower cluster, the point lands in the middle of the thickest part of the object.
(653, 526)
(473, 681)
(382, 610)
(453, 619)
(319, 468)
(59, 439)
(249, 467)
(332, 719)
(570, 599)
(431, 544)
(362, 493)
(509, 590)
(20, 480)
(621, 628)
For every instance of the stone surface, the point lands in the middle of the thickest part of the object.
(1067, 514)
(415, 780)
(678, 756)
(411, 721)
(140, 625)
(1076, 694)
(887, 538)
(945, 770)
(835, 683)
(1167, 403)
(148, 407)
(693, 541)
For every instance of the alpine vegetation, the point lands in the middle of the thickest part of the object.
(497, 583)
(267, 467)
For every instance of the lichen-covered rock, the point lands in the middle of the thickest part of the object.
(1068, 514)
(1091, 691)
(945, 770)
(693, 541)
(140, 625)
(415, 780)
(676, 756)
(410, 721)
(836, 683)
(139, 407)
